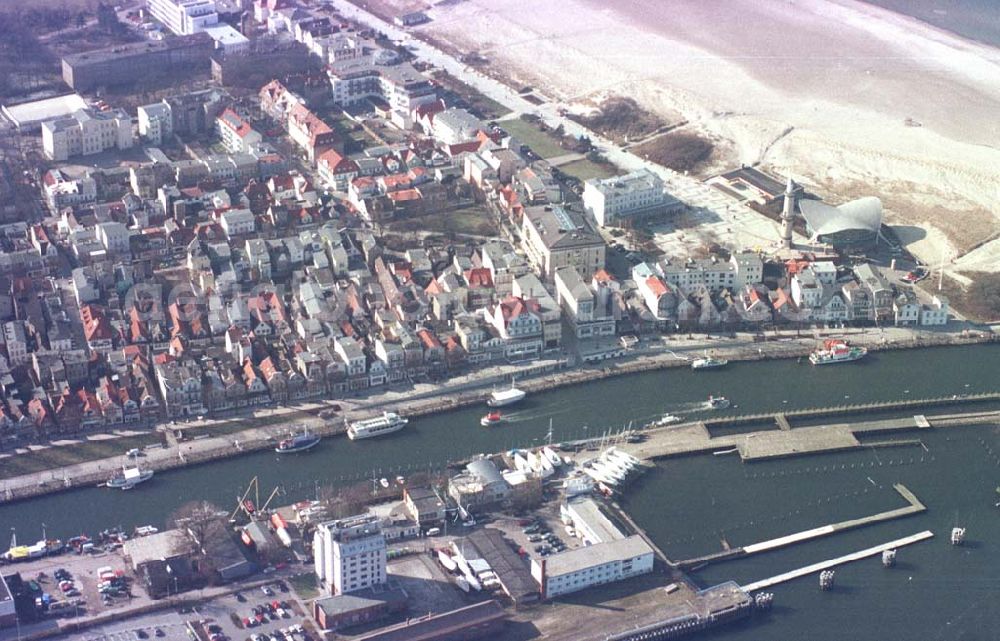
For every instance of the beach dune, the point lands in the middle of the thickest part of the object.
(827, 91)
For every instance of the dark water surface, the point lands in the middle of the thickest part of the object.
(974, 19)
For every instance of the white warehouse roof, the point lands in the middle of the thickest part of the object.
(31, 114)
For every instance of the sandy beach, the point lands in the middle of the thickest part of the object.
(818, 89)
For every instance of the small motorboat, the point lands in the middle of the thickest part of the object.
(717, 403)
(384, 482)
(493, 418)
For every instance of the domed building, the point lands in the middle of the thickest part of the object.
(853, 224)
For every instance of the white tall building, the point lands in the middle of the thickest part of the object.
(640, 194)
(86, 132)
(349, 554)
(155, 122)
(184, 17)
(114, 236)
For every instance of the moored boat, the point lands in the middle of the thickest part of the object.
(492, 418)
(129, 478)
(666, 419)
(298, 443)
(388, 423)
(707, 362)
(500, 398)
(837, 351)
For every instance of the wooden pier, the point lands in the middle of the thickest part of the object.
(914, 507)
(824, 565)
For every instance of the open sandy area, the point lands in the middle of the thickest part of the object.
(818, 89)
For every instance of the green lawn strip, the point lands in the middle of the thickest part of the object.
(586, 169)
(542, 143)
(63, 455)
(304, 585)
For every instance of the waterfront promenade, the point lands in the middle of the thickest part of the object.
(470, 389)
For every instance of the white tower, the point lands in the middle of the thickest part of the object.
(788, 215)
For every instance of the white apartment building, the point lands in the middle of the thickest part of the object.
(236, 133)
(400, 85)
(184, 17)
(455, 126)
(86, 132)
(155, 122)
(237, 222)
(578, 300)
(613, 201)
(349, 554)
(709, 272)
(936, 313)
(807, 291)
(749, 268)
(581, 568)
(114, 236)
(16, 340)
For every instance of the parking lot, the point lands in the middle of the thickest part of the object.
(545, 534)
(220, 619)
(83, 597)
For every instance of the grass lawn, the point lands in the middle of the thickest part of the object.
(585, 170)
(471, 220)
(56, 457)
(542, 143)
(304, 585)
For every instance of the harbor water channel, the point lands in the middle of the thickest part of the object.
(694, 505)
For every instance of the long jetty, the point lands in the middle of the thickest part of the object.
(788, 440)
(914, 507)
(786, 418)
(824, 565)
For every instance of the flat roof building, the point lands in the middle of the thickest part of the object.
(184, 17)
(357, 608)
(139, 61)
(553, 237)
(29, 116)
(478, 621)
(621, 199)
(350, 554)
(581, 568)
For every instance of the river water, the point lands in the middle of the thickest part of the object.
(689, 504)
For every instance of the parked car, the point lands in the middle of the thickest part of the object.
(266, 590)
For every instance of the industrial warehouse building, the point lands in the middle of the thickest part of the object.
(127, 64)
(581, 568)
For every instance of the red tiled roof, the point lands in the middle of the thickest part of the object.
(404, 195)
(657, 286)
(235, 123)
(512, 307)
(336, 164)
(602, 276)
(429, 340)
(479, 278)
(95, 324)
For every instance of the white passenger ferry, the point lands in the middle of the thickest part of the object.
(388, 423)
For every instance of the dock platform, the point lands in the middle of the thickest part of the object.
(914, 507)
(848, 558)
